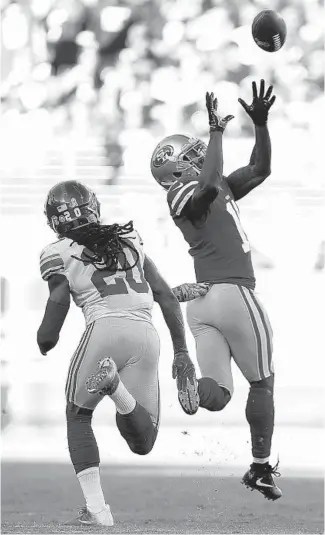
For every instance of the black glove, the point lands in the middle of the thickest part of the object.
(183, 370)
(216, 122)
(189, 291)
(259, 108)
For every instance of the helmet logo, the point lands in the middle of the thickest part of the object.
(163, 155)
(62, 208)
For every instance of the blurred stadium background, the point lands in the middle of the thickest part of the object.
(88, 89)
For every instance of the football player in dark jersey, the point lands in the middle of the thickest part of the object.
(228, 321)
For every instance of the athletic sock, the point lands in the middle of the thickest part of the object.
(260, 416)
(89, 480)
(261, 461)
(124, 401)
(82, 443)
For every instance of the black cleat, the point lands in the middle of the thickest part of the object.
(260, 477)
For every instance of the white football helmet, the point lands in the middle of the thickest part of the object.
(176, 156)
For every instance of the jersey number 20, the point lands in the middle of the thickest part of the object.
(119, 287)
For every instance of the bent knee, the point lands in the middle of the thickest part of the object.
(213, 397)
(144, 446)
(220, 404)
(141, 449)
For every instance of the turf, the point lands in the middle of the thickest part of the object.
(39, 498)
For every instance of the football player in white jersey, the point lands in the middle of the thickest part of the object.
(110, 278)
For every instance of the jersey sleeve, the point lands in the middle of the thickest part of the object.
(50, 262)
(140, 240)
(179, 195)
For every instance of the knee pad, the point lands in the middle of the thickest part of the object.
(138, 429)
(145, 447)
(213, 397)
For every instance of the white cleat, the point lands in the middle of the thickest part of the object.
(86, 518)
(105, 381)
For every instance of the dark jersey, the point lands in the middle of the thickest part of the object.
(218, 243)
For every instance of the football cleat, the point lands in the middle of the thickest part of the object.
(262, 480)
(105, 381)
(86, 518)
(189, 398)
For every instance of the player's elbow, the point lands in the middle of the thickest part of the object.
(61, 295)
(166, 299)
(262, 172)
(59, 289)
(266, 172)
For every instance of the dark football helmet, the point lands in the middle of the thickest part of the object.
(176, 156)
(71, 205)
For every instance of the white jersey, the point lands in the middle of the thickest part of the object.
(97, 291)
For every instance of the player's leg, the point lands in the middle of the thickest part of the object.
(136, 380)
(245, 325)
(82, 443)
(213, 356)
(140, 376)
(250, 338)
(104, 337)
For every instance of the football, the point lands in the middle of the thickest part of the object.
(269, 30)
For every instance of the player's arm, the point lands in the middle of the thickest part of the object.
(242, 181)
(56, 310)
(210, 178)
(183, 368)
(189, 291)
(207, 188)
(58, 303)
(170, 307)
(194, 198)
